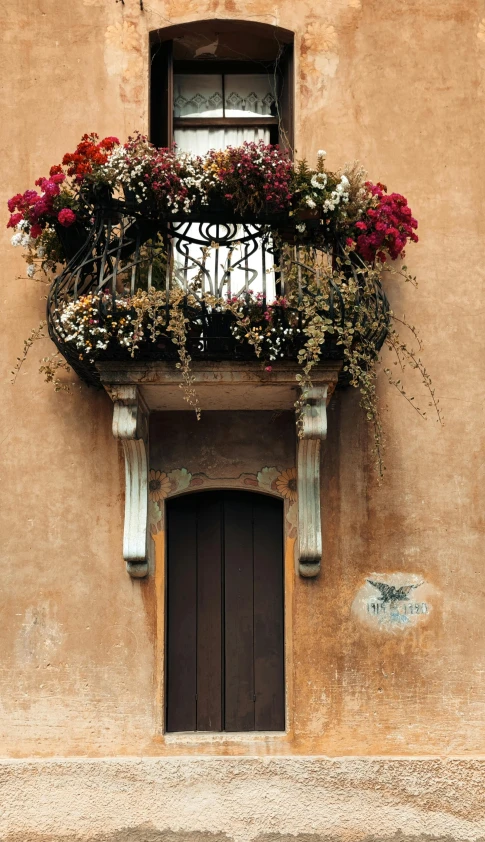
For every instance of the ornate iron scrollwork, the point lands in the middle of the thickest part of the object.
(123, 250)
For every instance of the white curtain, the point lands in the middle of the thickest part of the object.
(201, 140)
(209, 95)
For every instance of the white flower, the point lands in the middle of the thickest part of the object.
(321, 153)
(266, 477)
(310, 202)
(16, 239)
(154, 513)
(292, 515)
(30, 270)
(180, 479)
(301, 227)
(319, 180)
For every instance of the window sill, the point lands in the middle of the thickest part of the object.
(195, 737)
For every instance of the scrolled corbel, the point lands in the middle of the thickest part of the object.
(313, 431)
(130, 426)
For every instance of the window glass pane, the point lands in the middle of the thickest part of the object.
(249, 95)
(197, 95)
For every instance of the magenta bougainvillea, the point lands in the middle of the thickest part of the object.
(66, 217)
(254, 176)
(386, 227)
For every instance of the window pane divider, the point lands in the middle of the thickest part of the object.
(198, 122)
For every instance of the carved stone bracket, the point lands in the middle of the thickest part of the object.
(138, 388)
(130, 426)
(314, 429)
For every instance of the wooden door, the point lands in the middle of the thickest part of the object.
(225, 613)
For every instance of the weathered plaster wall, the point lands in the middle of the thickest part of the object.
(223, 799)
(399, 86)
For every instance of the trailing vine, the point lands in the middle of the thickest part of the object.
(334, 235)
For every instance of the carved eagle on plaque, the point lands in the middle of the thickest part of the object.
(390, 594)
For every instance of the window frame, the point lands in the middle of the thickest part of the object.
(163, 66)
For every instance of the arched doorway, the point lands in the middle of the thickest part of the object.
(225, 613)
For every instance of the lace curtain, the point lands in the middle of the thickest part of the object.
(230, 95)
(213, 95)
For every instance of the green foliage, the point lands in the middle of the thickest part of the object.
(330, 299)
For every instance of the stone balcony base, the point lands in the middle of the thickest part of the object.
(137, 389)
(219, 385)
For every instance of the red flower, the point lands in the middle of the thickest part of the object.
(35, 231)
(88, 153)
(14, 220)
(13, 202)
(30, 197)
(66, 217)
(109, 143)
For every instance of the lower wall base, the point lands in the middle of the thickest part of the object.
(242, 799)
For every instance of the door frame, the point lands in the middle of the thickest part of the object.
(272, 481)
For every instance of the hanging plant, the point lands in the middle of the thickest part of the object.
(334, 233)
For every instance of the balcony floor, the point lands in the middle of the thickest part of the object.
(219, 385)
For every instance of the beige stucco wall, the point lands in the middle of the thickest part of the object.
(400, 87)
(222, 799)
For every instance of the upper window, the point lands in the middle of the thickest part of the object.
(219, 83)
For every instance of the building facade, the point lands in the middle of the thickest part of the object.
(373, 724)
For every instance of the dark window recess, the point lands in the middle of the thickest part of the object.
(161, 94)
(225, 613)
(278, 69)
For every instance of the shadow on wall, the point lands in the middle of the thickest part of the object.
(148, 833)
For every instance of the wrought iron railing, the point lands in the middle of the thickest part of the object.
(123, 251)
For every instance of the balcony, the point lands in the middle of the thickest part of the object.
(218, 257)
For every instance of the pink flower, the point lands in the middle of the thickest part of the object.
(30, 196)
(50, 188)
(268, 368)
(39, 209)
(387, 228)
(66, 217)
